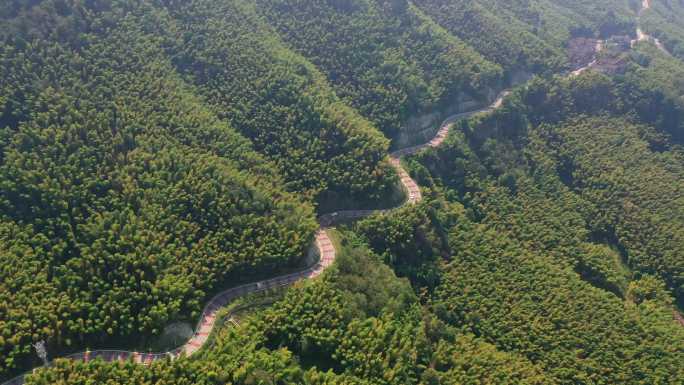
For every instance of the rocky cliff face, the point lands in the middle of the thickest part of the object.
(419, 129)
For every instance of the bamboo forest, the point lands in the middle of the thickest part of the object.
(321, 192)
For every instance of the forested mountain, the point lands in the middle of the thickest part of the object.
(124, 199)
(529, 35)
(587, 156)
(156, 152)
(386, 58)
(663, 19)
(658, 72)
(563, 208)
(506, 41)
(274, 97)
(360, 325)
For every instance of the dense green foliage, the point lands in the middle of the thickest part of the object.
(654, 87)
(531, 304)
(501, 313)
(664, 21)
(274, 97)
(153, 152)
(529, 35)
(385, 57)
(505, 41)
(604, 161)
(410, 240)
(557, 238)
(558, 20)
(633, 194)
(124, 201)
(359, 325)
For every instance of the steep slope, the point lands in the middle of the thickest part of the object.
(274, 97)
(662, 19)
(529, 35)
(654, 82)
(124, 200)
(556, 21)
(604, 162)
(553, 256)
(543, 248)
(500, 38)
(209, 319)
(360, 324)
(387, 59)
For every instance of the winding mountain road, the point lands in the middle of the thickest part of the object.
(323, 244)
